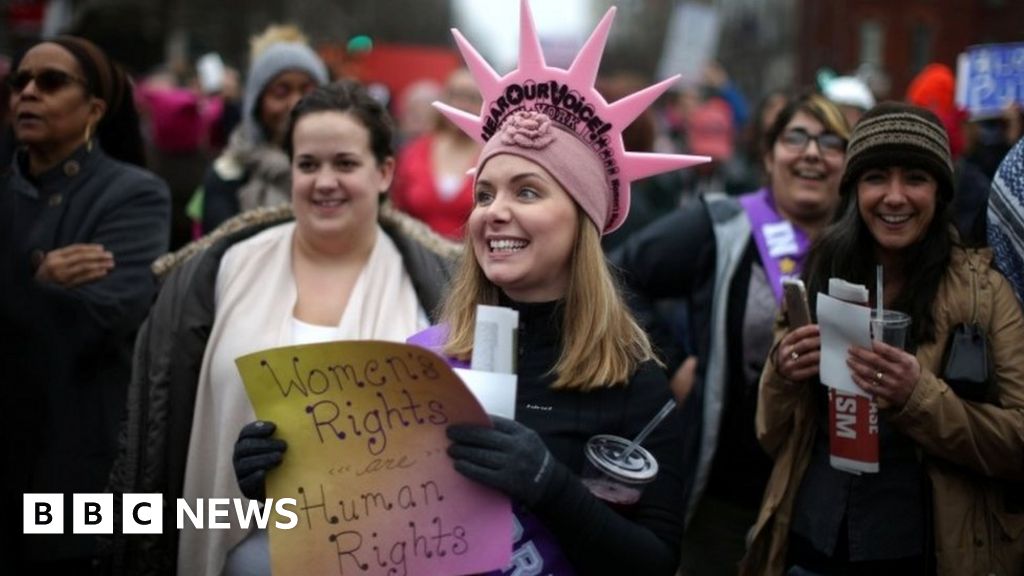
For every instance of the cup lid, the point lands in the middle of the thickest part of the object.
(604, 450)
(891, 317)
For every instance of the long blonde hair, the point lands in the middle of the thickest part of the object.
(602, 345)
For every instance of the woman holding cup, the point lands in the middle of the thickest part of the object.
(939, 502)
(584, 367)
(551, 179)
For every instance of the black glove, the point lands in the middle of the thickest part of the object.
(256, 453)
(509, 457)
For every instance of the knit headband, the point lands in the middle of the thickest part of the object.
(568, 98)
(105, 79)
(535, 137)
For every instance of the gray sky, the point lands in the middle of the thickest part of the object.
(492, 26)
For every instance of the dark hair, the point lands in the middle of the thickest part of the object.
(350, 97)
(813, 104)
(119, 131)
(846, 250)
(754, 132)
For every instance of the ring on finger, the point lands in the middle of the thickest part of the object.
(878, 377)
(794, 355)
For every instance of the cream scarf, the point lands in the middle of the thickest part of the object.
(255, 299)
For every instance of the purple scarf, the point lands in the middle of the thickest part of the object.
(781, 245)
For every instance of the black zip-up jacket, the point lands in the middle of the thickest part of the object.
(597, 539)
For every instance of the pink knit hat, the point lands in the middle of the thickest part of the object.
(533, 136)
(586, 153)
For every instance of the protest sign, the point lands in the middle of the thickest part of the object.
(990, 77)
(852, 432)
(845, 321)
(690, 42)
(366, 462)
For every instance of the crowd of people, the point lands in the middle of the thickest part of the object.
(128, 293)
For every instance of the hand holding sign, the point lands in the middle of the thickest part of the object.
(256, 453)
(377, 494)
(509, 457)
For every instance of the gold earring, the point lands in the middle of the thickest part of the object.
(88, 137)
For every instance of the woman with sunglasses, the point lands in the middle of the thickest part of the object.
(83, 224)
(727, 257)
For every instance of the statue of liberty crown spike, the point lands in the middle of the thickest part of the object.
(569, 98)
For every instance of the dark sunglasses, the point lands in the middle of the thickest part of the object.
(48, 81)
(797, 140)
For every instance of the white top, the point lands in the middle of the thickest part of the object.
(306, 333)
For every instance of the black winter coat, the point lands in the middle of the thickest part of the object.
(66, 352)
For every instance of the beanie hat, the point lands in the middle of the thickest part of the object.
(535, 137)
(933, 88)
(897, 134)
(275, 59)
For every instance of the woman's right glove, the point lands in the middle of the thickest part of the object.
(256, 452)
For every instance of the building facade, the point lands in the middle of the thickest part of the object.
(899, 38)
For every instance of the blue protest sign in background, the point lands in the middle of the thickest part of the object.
(989, 77)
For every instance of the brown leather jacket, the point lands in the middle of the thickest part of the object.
(973, 452)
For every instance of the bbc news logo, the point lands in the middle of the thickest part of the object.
(144, 513)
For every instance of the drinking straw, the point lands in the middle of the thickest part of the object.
(879, 297)
(661, 415)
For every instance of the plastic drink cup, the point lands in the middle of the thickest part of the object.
(891, 328)
(614, 481)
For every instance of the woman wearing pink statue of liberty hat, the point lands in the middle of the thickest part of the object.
(553, 177)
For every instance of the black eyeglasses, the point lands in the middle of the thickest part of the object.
(49, 80)
(797, 140)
